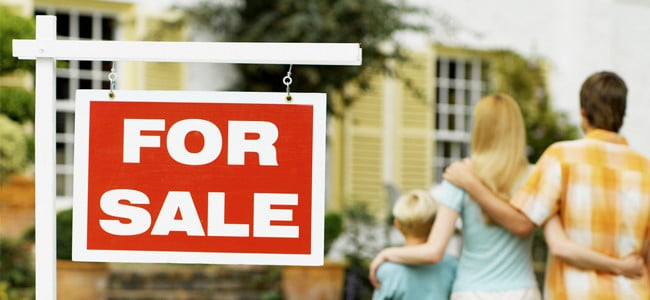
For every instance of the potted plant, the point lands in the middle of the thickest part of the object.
(76, 280)
(318, 282)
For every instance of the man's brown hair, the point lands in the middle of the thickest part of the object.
(603, 100)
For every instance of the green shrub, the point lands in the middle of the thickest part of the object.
(16, 269)
(17, 103)
(14, 26)
(64, 234)
(13, 148)
(333, 228)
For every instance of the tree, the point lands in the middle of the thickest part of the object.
(16, 103)
(13, 26)
(372, 23)
(525, 80)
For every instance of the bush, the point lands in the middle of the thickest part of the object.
(17, 103)
(333, 229)
(17, 275)
(64, 234)
(14, 26)
(13, 148)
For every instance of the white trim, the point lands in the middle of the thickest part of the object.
(204, 52)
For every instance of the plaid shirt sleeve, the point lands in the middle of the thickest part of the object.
(539, 197)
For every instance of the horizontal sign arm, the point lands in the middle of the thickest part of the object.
(203, 52)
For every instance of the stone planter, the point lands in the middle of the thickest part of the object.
(81, 280)
(16, 206)
(314, 283)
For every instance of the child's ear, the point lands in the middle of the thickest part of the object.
(396, 223)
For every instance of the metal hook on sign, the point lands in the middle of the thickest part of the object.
(287, 81)
(112, 76)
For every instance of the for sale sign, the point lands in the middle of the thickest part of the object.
(199, 177)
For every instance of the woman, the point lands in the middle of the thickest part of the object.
(494, 263)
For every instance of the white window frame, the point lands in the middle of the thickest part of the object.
(467, 90)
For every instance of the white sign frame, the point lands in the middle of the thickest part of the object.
(80, 202)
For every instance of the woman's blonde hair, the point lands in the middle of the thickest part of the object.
(499, 144)
(415, 211)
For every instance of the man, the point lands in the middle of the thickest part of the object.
(599, 188)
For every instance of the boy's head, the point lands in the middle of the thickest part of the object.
(414, 213)
(602, 101)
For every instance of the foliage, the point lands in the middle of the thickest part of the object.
(539, 255)
(13, 149)
(64, 234)
(525, 81)
(17, 104)
(333, 229)
(16, 149)
(16, 269)
(14, 26)
(372, 23)
(359, 222)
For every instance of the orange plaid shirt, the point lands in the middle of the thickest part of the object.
(601, 190)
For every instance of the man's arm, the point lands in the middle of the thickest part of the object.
(582, 257)
(461, 175)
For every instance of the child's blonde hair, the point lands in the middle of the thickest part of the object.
(415, 211)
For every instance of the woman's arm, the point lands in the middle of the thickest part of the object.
(430, 252)
(461, 175)
(582, 257)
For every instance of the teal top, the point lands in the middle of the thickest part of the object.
(492, 258)
(425, 282)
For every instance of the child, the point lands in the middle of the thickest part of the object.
(414, 214)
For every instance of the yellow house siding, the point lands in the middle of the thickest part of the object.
(387, 137)
(163, 76)
(364, 147)
(413, 133)
(104, 6)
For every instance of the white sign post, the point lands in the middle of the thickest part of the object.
(45, 49)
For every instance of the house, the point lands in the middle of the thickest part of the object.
(391, 139)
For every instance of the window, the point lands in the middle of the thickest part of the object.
(72, 75)
(460, 83)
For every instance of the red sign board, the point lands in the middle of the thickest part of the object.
(199, 177)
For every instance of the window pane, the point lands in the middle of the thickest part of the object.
(85, 65)
(62, 88)
(85, 84)
(452, 97)
(60, 184)
(106, 66)
(63, 24)
(85, 27)
(484, 72)
(60, 122)
(452, 69)
(451, 122)
(108, 29)
(60, 153)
